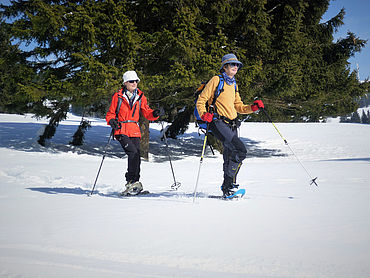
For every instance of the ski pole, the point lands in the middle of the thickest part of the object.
(202, 156)
(101, 164)
(176, 184)
(313, 180)
(200, 164)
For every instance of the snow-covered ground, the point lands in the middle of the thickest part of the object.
(284, 227)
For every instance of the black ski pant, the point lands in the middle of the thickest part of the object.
(234, 149)
(131, 146)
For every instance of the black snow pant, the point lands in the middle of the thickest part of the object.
(234, 149)
(131, 146)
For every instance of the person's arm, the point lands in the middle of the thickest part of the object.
(147, 111)
(207, 94)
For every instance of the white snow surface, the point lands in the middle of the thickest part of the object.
(283, 227)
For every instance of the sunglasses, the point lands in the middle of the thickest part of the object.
(234, 65)
(132, 81)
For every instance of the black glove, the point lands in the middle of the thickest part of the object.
(156, 113)
(114, 124)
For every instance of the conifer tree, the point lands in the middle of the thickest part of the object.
(355, 118)
(83, 47)
(14, 70)
(79, 135)
(307, 74)
(176, 59)
(79, 50)
(364, 118)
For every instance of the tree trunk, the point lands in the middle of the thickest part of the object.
(144, 143)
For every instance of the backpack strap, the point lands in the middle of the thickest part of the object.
(119, 103)
(118, 107)
(120, 98)
(218, 91)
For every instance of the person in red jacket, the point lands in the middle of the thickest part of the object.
(126, 126)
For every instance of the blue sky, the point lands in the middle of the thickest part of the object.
(357, 21)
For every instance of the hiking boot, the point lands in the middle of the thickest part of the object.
(228, 187)
(229, 190)
(132, 188)
(135, 188)
(128, 184)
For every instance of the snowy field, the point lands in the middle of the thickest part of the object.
(283, 227)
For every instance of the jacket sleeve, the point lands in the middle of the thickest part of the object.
(146, 110)
(111, 114)
(207, 95)
(240, 107)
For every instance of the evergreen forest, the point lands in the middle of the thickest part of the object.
(58, 54)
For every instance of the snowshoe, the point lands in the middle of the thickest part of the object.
(132, 189)
(229, 188)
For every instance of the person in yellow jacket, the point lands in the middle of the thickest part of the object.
(222, 118)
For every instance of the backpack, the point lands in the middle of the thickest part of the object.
(220, 88)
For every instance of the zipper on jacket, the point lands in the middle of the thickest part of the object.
(137, 101)
(133, 113)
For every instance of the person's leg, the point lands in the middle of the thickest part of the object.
(131, 146)
(233, 154)
(137, 159)
(238, 154)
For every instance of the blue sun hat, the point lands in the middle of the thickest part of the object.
(230, 58)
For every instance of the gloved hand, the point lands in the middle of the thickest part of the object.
(114, 124)
(156, 113)
(207, 117)
(257, 104)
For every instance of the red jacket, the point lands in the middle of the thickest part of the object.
(129, 115)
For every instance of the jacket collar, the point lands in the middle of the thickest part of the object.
(131, 102)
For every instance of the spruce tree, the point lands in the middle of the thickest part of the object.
(80, 50)
(83, 47)
(79, 135)
(364, 118)
(14, 71)
(306, 74)
(355, 118)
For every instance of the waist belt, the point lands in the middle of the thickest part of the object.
(128, 121)
(235, 123)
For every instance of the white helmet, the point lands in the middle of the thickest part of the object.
(130, 75)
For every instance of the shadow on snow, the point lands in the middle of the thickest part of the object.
(24, 136)
(349, 159)
(80, 191)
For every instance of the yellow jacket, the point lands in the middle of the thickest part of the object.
(228, 103)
